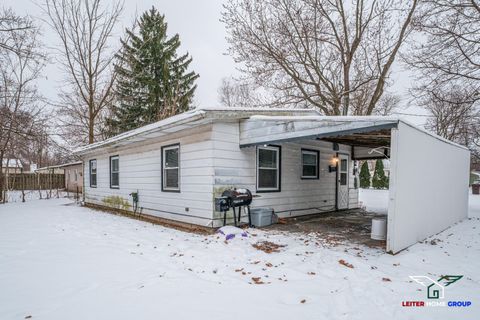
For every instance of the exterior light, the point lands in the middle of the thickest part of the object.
(333, 164)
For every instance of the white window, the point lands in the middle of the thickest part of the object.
(76, 175)
(310, 164)
(114, 172)
(171, 168)
(268, 168)
(93, 173)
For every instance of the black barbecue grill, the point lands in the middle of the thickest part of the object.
(234, 198)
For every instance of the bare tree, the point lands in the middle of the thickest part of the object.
(20, 103)
(10, 25)
(450, 52)
(84, 29)
(238, 93)
(454, 116)
(447, 64)
(319, 52)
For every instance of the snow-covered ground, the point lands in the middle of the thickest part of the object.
(16, 196)
(62, 261)
(374, 200)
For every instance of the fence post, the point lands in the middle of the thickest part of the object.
(39, 186)
(23, 184)
(2, 186)
(58, 186)
(50, 178)
(5, 193)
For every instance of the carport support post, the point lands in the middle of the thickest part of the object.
(392, 189)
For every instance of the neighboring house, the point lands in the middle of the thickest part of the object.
(74, 176)
(295, 161)
(11, 166)
(73, 172)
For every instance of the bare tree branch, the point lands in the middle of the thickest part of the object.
(84, 29)
(319, 53)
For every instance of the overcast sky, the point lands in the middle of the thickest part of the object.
(201, 34)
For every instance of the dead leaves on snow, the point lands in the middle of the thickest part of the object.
(345, 263)
(257, 280)
(267, 246)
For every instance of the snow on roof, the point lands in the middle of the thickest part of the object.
(191, 116)
(384, 119)
(256, 113)
(323, 118)
(60, 165)
(12, 163)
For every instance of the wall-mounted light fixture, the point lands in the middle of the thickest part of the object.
(333, 164)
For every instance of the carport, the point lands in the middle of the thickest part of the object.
(428, 175)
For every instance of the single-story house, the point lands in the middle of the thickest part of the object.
(73, 176)
(73, 172)
(295, 161)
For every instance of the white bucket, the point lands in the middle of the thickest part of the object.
(379, 228)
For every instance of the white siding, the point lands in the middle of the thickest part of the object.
(236, 167)
(211, 161)
(140, 169)
(428, 186)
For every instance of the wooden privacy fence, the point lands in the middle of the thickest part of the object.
(32, 181)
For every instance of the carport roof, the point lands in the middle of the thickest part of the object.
(360, 131)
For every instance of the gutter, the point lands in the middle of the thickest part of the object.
(194, 116)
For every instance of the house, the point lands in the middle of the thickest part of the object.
(73, 172)
(73, 176)
(11, 166)
(295, 161)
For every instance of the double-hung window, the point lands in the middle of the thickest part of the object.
(93, 173)
(171, 168)
(268, 168)
(114, 172)
(310, 160)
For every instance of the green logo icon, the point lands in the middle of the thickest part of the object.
(436, 289)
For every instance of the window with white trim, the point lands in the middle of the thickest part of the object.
(171, 168)
(93, 173)
(310, 160)
(114, 172)
(268, 168)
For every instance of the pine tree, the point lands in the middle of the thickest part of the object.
(379, 180)
(364, 176)
(153, 81)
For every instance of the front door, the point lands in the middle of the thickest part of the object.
(342, 182)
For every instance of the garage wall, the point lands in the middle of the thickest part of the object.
(428, 186)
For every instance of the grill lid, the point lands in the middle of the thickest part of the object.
(238, 197)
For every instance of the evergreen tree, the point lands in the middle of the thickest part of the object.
(364, 176)
(379, 180)
(153, 81)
